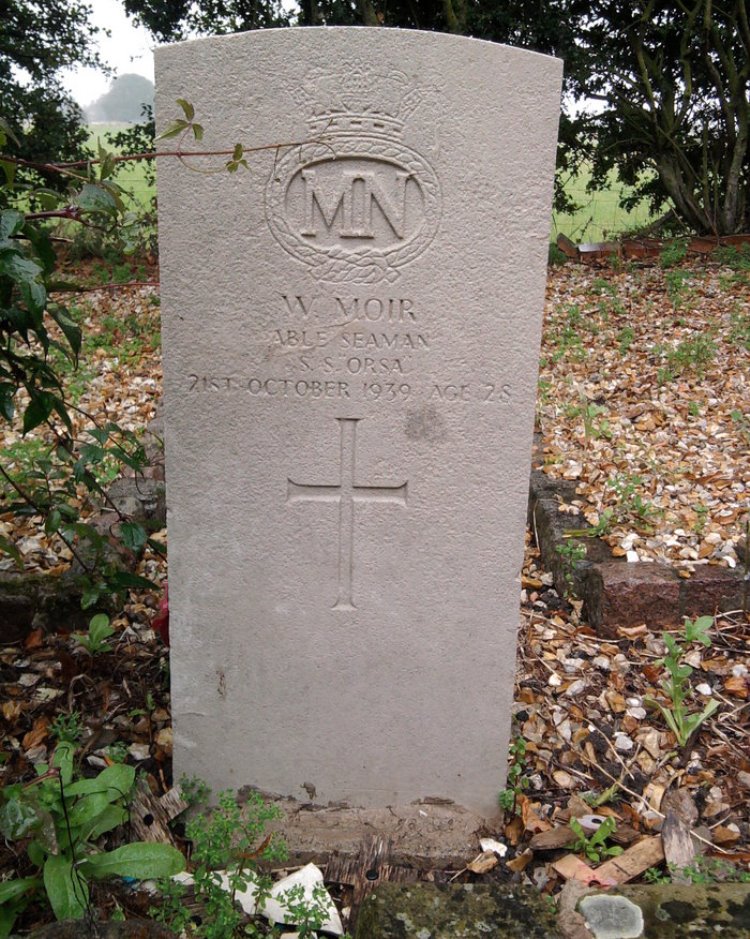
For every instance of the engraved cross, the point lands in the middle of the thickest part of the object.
(346, 493)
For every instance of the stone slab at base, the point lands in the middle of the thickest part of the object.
(426, 835)
(469, 911)
(456, 911)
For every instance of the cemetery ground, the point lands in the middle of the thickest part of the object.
(643, 402)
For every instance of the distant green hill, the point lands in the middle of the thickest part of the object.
(124, 101)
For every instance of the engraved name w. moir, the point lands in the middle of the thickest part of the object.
(343, 309)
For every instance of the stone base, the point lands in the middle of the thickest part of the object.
(456, 911)
(470, 911)
(426, 835)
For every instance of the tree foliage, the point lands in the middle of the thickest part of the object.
(36, 41)
(673, 81)
(124, 101)
(669, 79)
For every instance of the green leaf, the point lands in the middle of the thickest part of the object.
(13, 889)
(187, 108)
(8, 547)
(7, 403)
(133, 535)
(99, 629)
(142, 860)
(105, 821)
(89, 807)
(11, 222)
(10, 177)
(70, 329)
(197, 131)
(53, 521)
(40, 407)
(17, 819)
(175, 128)
(67, 890)
(121, 579)
(119, 778)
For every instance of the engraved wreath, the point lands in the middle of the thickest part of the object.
(364, 264)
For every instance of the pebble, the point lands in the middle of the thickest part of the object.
(623, 742)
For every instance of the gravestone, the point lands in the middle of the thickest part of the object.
(351, 328)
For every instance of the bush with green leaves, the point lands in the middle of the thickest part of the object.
(60, 820)
(37, 334)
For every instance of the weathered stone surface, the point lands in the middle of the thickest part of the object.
(455, 911)
(141, 499)
(351, 334)
(424, 836)
(698, 911)
(622, 594)
(39, 601)
(712, 589)
(615, 592)
(609, 916)
(460, 911)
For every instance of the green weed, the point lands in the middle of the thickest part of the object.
(680, 721)
(673, 253)
(516, 782)
(595, 846)
(57, 820)
(572, 553)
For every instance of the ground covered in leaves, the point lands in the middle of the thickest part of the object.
(644, 401)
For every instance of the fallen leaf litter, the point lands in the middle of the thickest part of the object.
(582, 702)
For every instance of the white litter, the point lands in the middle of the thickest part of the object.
(490, 844)
(310, 878)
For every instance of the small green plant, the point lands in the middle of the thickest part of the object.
(571, 553)
(96, 639)
(227, 838)
(680, 721)
(625, 339)
(308, 917)
(118, 751)
(735, 256)
(703, 870)
(678, 286)
(516, 782)
(690, 355)
(673, 253)
(740, 330)
(701, 512)
(631, 506)
(742, 423)
(595, 846)
(67, 727)
(58, 820)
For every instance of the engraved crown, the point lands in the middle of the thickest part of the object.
(354, 99)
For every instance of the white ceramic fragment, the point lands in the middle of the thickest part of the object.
(490, 844)
(308, 877)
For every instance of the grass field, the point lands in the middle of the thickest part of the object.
(131, 176)
(599, 218)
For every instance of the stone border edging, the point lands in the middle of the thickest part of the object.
(616, 592)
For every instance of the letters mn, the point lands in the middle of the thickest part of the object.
(354, 203)
(346, 493)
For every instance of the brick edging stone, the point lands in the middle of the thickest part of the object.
(614, 591)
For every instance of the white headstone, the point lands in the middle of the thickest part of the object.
(351, 331)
